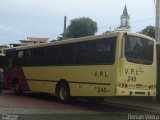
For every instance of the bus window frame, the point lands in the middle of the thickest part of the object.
(138, 61)
(123, 45)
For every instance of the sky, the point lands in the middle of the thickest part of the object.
(20, 19)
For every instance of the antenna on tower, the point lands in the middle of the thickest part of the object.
(154, 2)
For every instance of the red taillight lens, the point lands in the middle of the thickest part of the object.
(139, 85)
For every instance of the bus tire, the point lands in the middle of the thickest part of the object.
(16, 88)
(63, 92)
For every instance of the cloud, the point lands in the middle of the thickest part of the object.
(23, 18)
(9, 29)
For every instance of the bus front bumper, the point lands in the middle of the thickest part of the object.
(134, 92)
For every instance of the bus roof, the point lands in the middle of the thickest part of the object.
(112, 34)
(62, 42)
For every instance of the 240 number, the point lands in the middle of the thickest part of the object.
(132, 79)
(101, 90)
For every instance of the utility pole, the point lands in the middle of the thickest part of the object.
(157, 35)
(64, 30)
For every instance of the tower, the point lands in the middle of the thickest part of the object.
(125, 17)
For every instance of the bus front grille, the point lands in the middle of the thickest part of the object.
(141, 93)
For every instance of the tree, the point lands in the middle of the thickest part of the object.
(81, 27)
(108, 32)
(58, 38)
(61, 37)
(149, 30)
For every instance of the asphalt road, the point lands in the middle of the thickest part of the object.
(43, 106)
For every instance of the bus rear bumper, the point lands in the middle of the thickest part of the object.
(133, 92)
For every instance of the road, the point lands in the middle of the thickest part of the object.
(47, 107)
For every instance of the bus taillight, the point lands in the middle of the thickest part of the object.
(139, 85)
(123, 85)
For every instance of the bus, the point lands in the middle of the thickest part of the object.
(2, 61)
(93, 67)
(158, 68)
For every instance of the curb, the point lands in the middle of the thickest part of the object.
(130, 106)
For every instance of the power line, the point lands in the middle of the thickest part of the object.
(135, 21)
(143, 20)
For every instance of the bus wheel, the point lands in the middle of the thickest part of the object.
(63, 93)
(97, 100)
(16, 88)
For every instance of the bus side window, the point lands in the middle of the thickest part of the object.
(20, 54)
(66, 56)
(10, 59)
(102, 51)
(28, 57)
(52, 54)
(81, 54)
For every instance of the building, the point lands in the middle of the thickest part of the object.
(30, 41)
(33, 40)
(125, 17)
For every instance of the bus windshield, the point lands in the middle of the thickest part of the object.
(139, 50)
